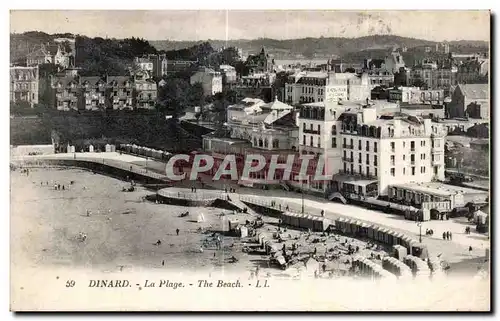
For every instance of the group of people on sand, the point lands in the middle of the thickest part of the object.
(447, 236)
(59, 187)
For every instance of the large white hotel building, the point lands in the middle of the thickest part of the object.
(370, 144)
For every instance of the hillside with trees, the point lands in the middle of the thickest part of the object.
(324, 47)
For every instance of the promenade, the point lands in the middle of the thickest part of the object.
(454, 250)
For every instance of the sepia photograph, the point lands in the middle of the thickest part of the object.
(250, 160)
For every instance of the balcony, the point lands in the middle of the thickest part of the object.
(358, 175)
(347, 146)
(347, 159)
(311, 131)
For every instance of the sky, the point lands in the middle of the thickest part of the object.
(233, 24)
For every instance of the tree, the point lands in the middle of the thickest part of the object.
(230, 56)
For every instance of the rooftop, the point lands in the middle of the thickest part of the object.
(440, 189)
(475, 91)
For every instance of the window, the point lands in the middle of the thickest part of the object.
(311, 127)
(393, 171)
(360, 158)
(345, 142)
(404, 144)
(412, 146)
(422, 156)
(360, 169)
(352, 156)
(404, 170)
(334, 130)
(352, 143)
(393, 146)
(375, 147)
(422, 169)
(422, 143)
(334, 142)
(376, 172)
(375, 160)
(311, 141)
(359, 144)
(303, 139)
(319, 129)
(404, 157)
(304, 126)
(392, 159)
(367, 159)
(319, 142)
(413, 171)
(345, 154)
(412, 158)
(367, 146)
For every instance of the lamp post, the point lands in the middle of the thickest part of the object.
(302, 188)
(419, 224)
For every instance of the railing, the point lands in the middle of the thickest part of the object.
(348, 146)
(194, 196)
(109, 162)
(347, 159)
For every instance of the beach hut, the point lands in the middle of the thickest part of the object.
(370, 231)
(380, 234)
(107, 148)
(91, 148)
(294, 219)
(399, 252)
(286, 218)
(339, 224)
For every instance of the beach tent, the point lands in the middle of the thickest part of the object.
(200, 218)
(243, 231)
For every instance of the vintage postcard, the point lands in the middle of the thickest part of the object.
(264, 160)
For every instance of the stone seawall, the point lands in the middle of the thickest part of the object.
(96, 166)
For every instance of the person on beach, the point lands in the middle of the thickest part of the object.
(177, 231)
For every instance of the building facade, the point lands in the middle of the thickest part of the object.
(121, 92)
(415, 95)
(390, 151)
(470, 100)
(394, 62)
(24, 84)
(94, 92)
(58, 54)
(229, 75)
(210, 80)
(146, 91)
(434, 75)
(309, 87)
(97, 93)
